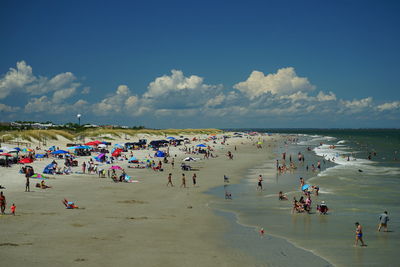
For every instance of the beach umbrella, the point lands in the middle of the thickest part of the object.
(6, 154)
(39, 156)
(26, 150)
(119, 146)
(59, 152)
(25, 160)
(93, 143)
(171, 138)
(189, 159)
(115, 167)
(201, 145)
(305, 187)
(38, 176)
(17, 148)
(132, 159)
(102, 145)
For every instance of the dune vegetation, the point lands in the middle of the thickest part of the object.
(93, 133)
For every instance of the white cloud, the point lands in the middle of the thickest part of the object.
(116, 103)
(326, 97)
(63, 94)
(355, 106)
(389, 106)
(284, 82)
(16, 78)
(6, 108)
(47, 105)
(85, 90)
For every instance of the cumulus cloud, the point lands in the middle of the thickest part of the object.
(22, 79)
(355, 106)
(117, 102)
(6, 108)
(48, 105)
(389, 106)
(326, 97)
(15, 79)
(284, 82)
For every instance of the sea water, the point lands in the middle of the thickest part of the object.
(358, 180)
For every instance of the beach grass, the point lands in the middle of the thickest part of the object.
(109, 134)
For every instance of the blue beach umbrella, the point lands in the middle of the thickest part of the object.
(171, 138)
(201, 145)
(305, 187)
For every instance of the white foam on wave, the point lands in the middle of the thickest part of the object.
(339, 155)
(341, 142)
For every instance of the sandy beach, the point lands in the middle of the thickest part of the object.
(144, 223)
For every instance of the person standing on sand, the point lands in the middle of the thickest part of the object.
(2, 202)
(170, 180)
(183, 181)
(27, 187)
(383, 219)
(259, 185)
(173, 163)
(12, 208)
(194, 179)
(359, 235)
(84, 167)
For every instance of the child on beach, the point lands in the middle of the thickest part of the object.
(359, 235)
(12, 208)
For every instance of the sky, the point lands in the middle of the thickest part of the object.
(202, 64)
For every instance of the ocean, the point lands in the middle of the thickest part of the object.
(359, 178)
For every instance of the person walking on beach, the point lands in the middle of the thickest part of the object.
(183, 181)
(383, 219)
(359, 235)
(2, 202)
(194, 179)
(27, 187)
(84, 167)
(259, 185)
(170, 180)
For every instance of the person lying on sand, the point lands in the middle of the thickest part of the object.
(69, 204)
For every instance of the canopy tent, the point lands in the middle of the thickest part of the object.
(49, 169)
(160, 154)
(25, 160)
(201, 145)
(59, 152)
(79, 147)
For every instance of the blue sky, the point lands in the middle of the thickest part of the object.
(201, 63)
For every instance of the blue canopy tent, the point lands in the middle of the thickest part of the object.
(59, 152)
(49, 169)
(160, 154)
(201, 145)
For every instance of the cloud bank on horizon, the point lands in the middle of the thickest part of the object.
(262, 98)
